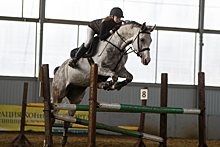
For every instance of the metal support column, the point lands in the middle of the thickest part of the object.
(202, 115)
(47, 106)
(201, 31)
(92, 106)
(42, 19)
(163, 103)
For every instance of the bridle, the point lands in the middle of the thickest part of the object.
(138, 40)
(125, 52)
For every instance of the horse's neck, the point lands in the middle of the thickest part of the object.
(127, 35)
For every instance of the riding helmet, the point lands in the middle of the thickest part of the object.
(117, 12)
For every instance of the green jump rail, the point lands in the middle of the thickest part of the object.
(116, 107)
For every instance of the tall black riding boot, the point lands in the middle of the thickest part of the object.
(82, 50)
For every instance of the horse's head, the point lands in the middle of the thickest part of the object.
(142, 41)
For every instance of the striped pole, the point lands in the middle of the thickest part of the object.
(55, 125)
(116, 107)
(60, 106)
(109, 128)
(137, 108)
(75, 126)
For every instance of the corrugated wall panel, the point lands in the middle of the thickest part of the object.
(154, 96)
(12, 91)
(182, 97)
(178, 96)
(182, 126)
(127, 95)
(212, 101)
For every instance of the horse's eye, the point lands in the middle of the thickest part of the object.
(142, 40)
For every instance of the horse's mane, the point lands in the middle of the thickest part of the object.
(132, 23)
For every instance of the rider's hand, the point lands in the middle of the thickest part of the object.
(116, 28)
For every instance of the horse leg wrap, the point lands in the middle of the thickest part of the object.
(107, 85)
(63, 141)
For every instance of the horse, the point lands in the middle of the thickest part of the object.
(110, 57)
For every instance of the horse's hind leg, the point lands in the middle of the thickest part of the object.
(58, 93)
(55, 111)
(56, 99)
(75, 96)
(65, 128)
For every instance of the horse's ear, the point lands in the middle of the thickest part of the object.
(143, 27)
(153, 28)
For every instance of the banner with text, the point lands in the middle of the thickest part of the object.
(10, 118)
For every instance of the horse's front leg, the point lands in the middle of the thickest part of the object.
(108, 84)
(123, 73)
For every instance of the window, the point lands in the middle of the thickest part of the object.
(175, 53)
(58, 41)
(172, 13)
(31, 8)
(143, 73)
(19, 8)
(176, 56)
(212, 9)
(17, 48)
(211, 59)
(11, 8)
(84, 10)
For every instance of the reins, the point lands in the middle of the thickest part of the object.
(125, 52)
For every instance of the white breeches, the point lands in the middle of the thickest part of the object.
(90, 35)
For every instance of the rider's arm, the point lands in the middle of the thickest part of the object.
(103, 34)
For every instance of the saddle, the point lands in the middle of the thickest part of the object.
(90, 51)
(89, 56)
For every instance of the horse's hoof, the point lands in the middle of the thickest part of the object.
(63, 141)
(107, 85)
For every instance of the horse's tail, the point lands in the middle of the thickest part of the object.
(55, 70)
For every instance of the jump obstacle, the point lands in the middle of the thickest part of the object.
(22, 138)
(91, 134)
(115, 107)
(71, 125)
(93, 104)
(163, 116)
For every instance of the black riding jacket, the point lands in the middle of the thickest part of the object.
(102, 27)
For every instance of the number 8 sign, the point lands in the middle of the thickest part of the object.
(144, 94)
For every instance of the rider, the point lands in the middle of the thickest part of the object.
(103, 27)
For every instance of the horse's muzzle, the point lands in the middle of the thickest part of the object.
(146, 61)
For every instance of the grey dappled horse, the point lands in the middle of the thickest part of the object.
(110, 56)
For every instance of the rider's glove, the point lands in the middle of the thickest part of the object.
(115, 29)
